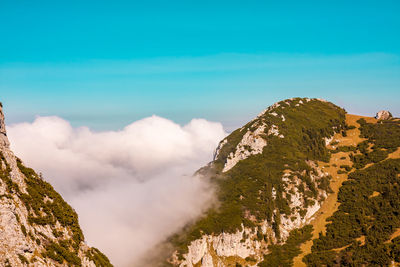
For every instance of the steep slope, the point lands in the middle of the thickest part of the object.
(37, 227)
(364, 230)
(303, 184)
(336, 169)
(269, 185)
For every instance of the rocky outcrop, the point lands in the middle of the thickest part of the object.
(252, 143)
(277, 186)
(215, 250)
(3, 134)
(37, 227)
(219, 147)
(383, 115)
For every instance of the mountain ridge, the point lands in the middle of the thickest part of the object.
(38, 228)
(271, 177)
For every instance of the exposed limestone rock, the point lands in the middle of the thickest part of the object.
(269, 109)
(274, 130)
(244, 243)
(328, 140)
(383, 115)
(252, 143)
(21, 240)
(302, 188)
(3, 134)
(239, 244)
(297, 199)
(207, 261)
(227, 245)
(219, 147)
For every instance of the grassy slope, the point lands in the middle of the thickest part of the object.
(247, 186)
(330, 205)
(365, 228)
(41, 212)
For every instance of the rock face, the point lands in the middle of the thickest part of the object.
(213, 250)
(252, 143)
(383, 115)
(3, 134)
(37, 227)
(210, 250)
(271, 182)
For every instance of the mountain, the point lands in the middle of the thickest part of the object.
(303, 184)
(37, 227)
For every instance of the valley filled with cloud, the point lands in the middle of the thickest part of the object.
(131, 188)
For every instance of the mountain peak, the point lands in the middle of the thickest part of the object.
(302, 165)
(3, 134)
(269, 182)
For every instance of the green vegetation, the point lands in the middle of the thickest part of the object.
(12, 187)
(60, 252)
(98, 258)
(344, 149)
(23, 229)
(361, 160)
(385, 134)
(384, 137)
(46, 207)
(282, 255)
(247, 187)
(55, 208)
(359, 214)
(346, 167)
(23, 259)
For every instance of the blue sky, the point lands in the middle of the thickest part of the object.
(105, 64)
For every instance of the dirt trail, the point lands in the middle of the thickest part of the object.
(330, 205)
(394, 235)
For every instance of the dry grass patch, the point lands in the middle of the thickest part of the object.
(374, 194)
(342, 248)
(394, 235)
(395, 155)
(330, 205)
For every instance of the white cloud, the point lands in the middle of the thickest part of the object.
(131, 188)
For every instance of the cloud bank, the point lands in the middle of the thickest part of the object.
(131, 188)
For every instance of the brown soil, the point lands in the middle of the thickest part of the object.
(394, 235)
(330, 205)
(374, 194)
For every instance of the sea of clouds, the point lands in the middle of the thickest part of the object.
(131, 188)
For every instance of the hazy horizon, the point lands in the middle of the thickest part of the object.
(105, 65)
(118, 103)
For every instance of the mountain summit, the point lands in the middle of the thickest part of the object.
(280, 179)
(37, 227)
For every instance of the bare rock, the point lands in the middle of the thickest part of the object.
(3, 133)
(22, 241)
(383, 115)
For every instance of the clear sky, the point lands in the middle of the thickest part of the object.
(107, 63)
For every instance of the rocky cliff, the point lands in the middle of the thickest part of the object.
(303, 184)
(37, 227)
(268, 182)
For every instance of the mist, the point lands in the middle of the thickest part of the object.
(131, 188)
